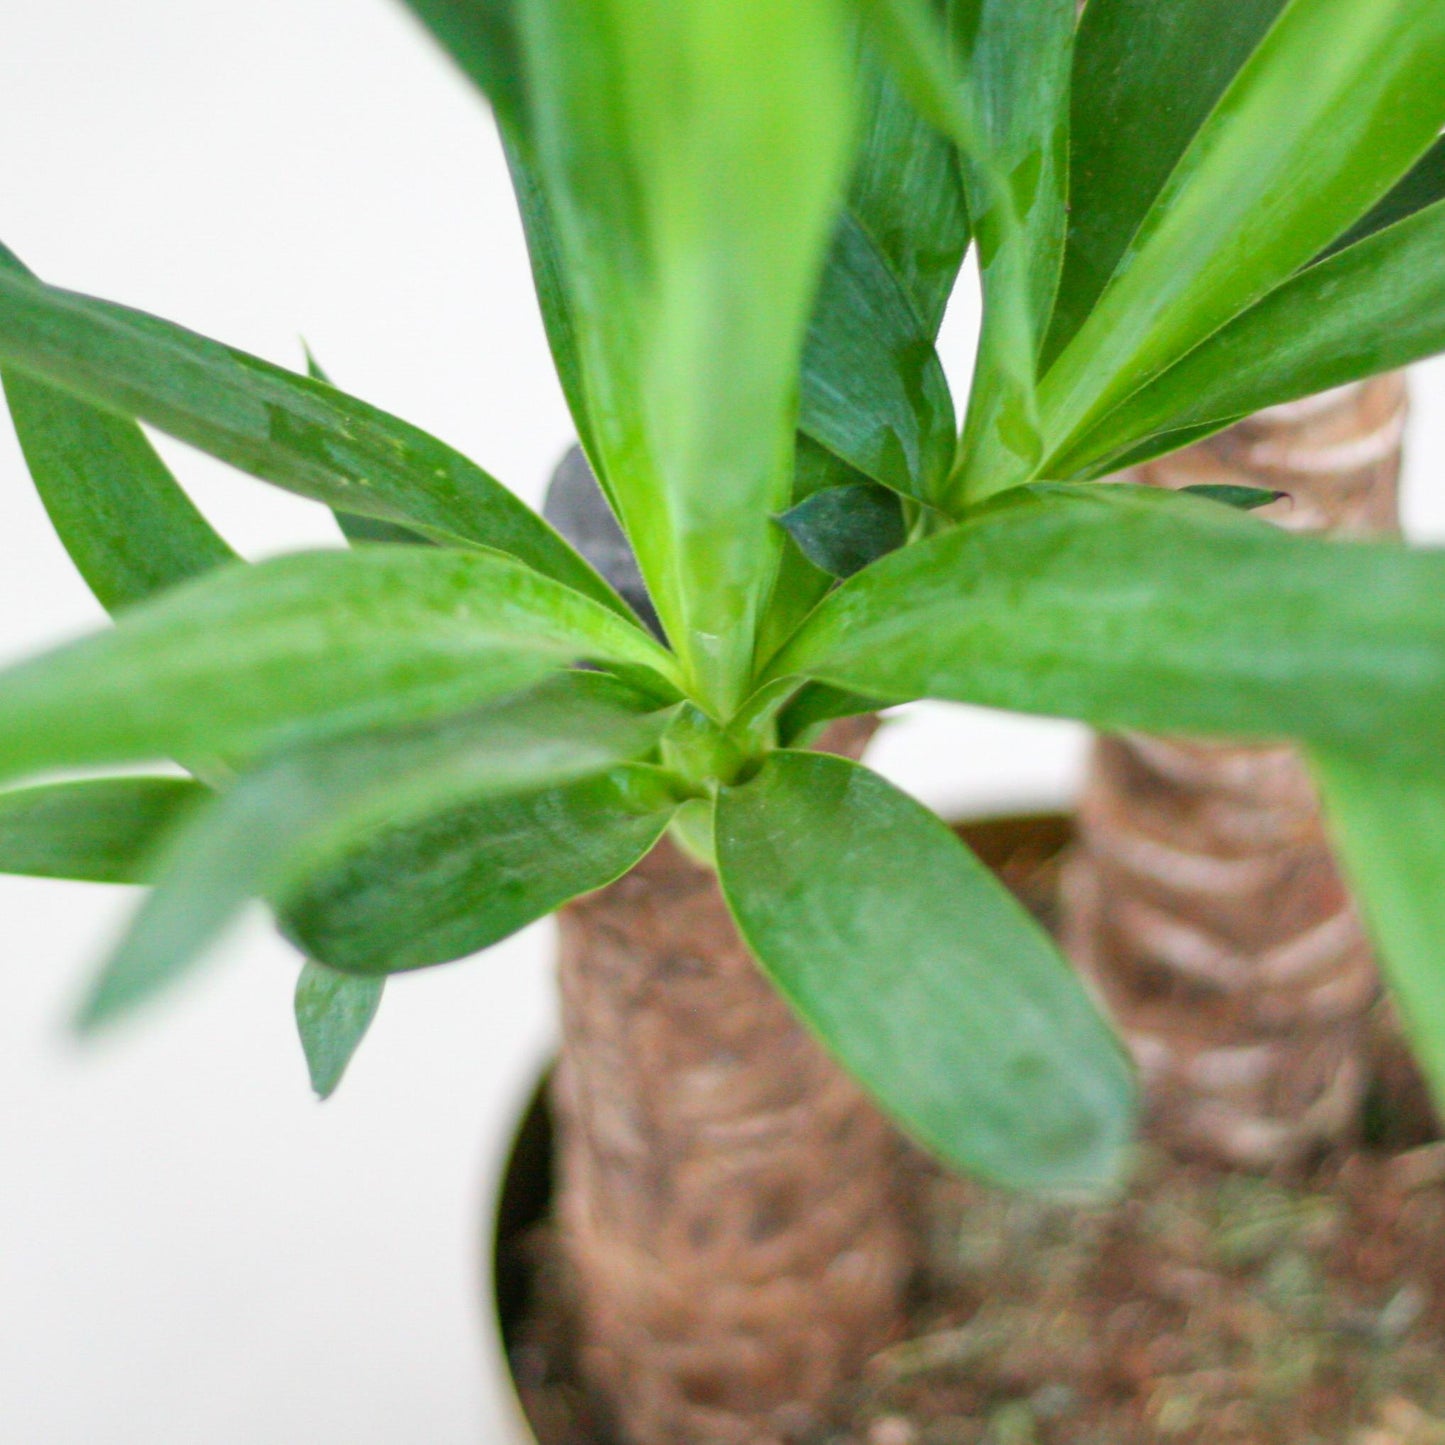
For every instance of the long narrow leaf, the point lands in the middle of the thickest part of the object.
(1375, 306)
(470, 876)
(250, 657)
(1331, 109)
(333, 1012)
(1133, 608)
(282, 825)
(296, 432)
(103, 830)
(1147, 74)
(922, 975)
(1389, 826)
(692, 157)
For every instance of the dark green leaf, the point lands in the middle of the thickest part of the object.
(1332, 108)
(287, 822)
(469, 876)
(815, 705)
(480, 36)
(321, 642)
(1378, 305)
(1131, 607)
(907, 193)
(922, 975)
(843, 529)
(103, 830)
(298, 433)
(1147, 74)
(873, 391)
(1243, 499)
(333, 1012)
(1389, 826)
(692, 158)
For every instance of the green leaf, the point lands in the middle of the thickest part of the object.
(102, 830)
(298, 433)
(1332, 108)
(692, 158)
(906, 193)
(250, 657)
(1243, 499)
(1389, 827)
(470, 876)
(1014, 59)
(1423, 185)
(813, 707)
(1147, 75)
(919, 972)
(118, 511)
(1371, 308)
(873, 389)
(843, 529)
(1131, 607)
(290, 820)
(480, 36)
(333, 1012)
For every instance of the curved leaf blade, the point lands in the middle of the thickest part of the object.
(469, 876)
(101, 830)
(248, 658)
(297, 816)
(1130, 607)
(842, 529)
(291, 430)
(333, 1013)
(919, 972)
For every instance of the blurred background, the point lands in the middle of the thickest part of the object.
(191, 1249)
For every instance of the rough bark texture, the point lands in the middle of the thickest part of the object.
(1202, 897)
(739, 1235)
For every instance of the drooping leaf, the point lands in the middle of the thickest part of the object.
(1147, 74)
(118, 511)
(470, 876)
(1378, 305)
(102, 830)
(692, 157)
(333, 1012)
(1243, 499)
(874, 392)
(1334, 105)
(802, 719)
(843, 529)
(293, 818)
(251, 657)
(298, 433)
(1389, 827)
(927, 981)
(1131, 607)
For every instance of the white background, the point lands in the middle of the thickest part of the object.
(190, 1248)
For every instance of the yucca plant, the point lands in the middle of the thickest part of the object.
(745, 220)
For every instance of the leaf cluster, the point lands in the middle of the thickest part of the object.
(745, 221)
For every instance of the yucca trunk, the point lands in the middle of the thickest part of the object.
(1202, 897)
(736, 1226)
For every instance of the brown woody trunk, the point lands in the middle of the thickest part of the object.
(731, 1207)
(1202, 897)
